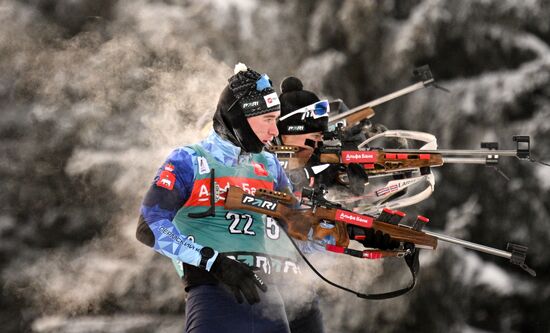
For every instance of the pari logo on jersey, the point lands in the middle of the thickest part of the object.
(353, 218)
(167, 179)
(260, 203)
(359, 157)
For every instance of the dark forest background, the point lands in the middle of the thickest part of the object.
(94, 95)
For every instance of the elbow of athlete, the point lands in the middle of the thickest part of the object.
(144, 234)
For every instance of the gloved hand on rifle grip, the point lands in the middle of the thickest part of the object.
(239, 277)
(373, 238)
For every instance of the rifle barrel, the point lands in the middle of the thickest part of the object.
(464, 160)
(470, 245)
(452, 152)
(381, 100)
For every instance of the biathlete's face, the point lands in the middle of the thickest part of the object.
(265, 126)
(300, 141)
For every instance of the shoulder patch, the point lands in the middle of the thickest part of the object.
(166, 180)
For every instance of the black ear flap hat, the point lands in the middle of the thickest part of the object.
(294, 118)
(248, 94)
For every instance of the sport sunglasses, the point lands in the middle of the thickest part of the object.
(315, 110)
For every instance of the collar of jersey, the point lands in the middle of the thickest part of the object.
(222, 150)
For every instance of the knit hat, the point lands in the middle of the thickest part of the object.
(295, 98)
(248, 94)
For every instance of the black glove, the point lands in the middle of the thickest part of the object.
(373, 238)
(239, 277)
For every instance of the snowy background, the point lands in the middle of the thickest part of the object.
(94, 94)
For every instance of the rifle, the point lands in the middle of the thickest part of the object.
(297, 223)
(299, 220)
(383, 161)
(365, 111)
(378, 161)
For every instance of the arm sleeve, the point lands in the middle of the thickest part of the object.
(171, 188)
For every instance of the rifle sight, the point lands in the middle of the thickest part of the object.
(314, 197)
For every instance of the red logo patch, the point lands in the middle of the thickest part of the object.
(259, 169)
(169, 167)
(358, 157)
(166, 180)
(354, 218)
(201, 189)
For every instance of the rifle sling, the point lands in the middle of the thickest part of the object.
(411, 261)
(233, 201)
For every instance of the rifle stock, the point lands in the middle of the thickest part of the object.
(236, 198)
(379, 162)
(374, 161)
(287, 156)
(357, 115)
(299, 221)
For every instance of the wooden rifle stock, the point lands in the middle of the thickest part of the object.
(299, 220)
(380, 162)
(358, 115)
(287, 156)
(374, 161)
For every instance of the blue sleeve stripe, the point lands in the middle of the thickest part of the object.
(170, 242)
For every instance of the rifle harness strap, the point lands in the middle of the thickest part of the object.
(411, 261)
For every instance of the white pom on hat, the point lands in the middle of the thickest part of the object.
(240, 67)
